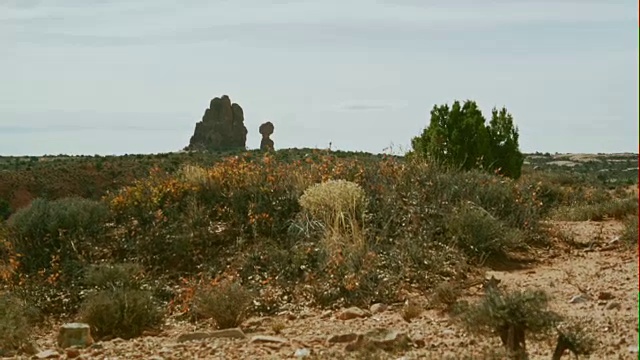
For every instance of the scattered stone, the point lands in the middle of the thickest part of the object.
(326, 314)
(222, 127)
(290, 316)
(578, 299)
(605, 295)
(255, 322)
(268, 339)
(74, 334)
(193, 336)
(302, 353)
(7, 353)
(387, 339)
(491, 284)
(633, 349)
(382, 339)
(233, 333)
(266, 129)
(448, 332)
(378, 308)
(353, 313)
(72, 352)
(342, 338)
(359, 343)
(151, 333)
(47, 354)
(305, 315)
(613, 305)
(30, 348)
(97, 352)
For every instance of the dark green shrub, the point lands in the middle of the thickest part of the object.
(458, 137)
(111, 276)
(5, 209)
(121, 312)
(119, 307)
(63, 228)
(478, 234)
(574, 338)
(630, 234)
(15, 328)
(511, 316)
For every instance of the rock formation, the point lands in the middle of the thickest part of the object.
(266, 130)
(222, 127)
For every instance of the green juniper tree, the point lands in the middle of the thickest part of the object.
(458, 136)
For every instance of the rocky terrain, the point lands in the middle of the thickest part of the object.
(592, 278)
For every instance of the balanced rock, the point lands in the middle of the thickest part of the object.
(222, 127)
(74, 334)
(266, 130)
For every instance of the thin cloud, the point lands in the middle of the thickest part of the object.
(20, 129)
(364, 107)
(369, 106)
(385, 35)
(86, 23)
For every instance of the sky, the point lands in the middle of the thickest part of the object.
(114, 76)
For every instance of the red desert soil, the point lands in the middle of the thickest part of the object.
(602, 265)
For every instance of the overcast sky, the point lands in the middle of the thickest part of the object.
(115, 76)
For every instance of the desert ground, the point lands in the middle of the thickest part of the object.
(602, 266)
(588, 268)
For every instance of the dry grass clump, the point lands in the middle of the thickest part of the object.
(617, 209)
(112, 276)
(226, 303)
(573, 337)
(194, 175)
(277, 326)
(447, 294)
(630, 234)
(340, 206)
(411, 310)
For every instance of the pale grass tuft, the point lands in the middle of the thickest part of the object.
(411, 310)
(277, 326)
(340, 206)
(194, 175)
